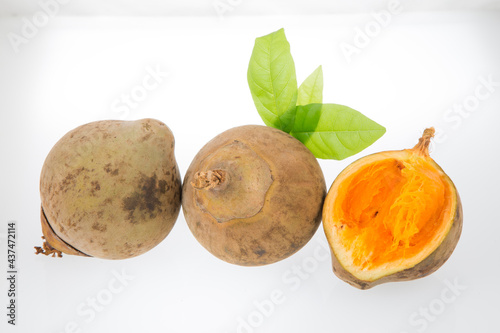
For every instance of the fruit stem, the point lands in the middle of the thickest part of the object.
(422, 147)
(209, 179)
(53, 244)
(47, 249)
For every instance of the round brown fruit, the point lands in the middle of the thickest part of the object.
(110, 189)
(253, 195)
(392, 216)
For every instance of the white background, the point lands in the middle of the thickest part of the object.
(429, 58)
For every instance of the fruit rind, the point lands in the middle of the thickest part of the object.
(53, 243)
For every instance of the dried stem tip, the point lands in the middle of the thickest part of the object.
(47, 249)
(209, 179)
(423, 143)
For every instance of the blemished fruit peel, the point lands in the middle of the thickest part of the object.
(110, 189)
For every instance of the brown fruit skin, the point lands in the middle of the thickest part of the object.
(280, 220)
(110, 189)
(424, 268)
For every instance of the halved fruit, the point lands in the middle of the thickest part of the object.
(392, 216)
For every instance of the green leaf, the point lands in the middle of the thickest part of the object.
(333, 131)
(311, 90)
(272, 81)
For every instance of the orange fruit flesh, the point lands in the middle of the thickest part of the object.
(391, 211)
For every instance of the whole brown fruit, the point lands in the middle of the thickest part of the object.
(253, 195)
(110, 189)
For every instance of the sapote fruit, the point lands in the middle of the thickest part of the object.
(392, 216)
(253, 195)
(110, 189)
